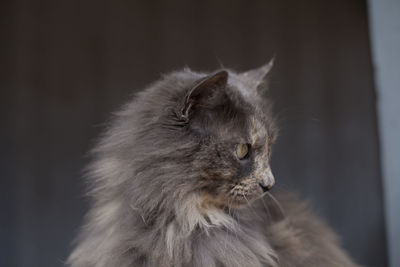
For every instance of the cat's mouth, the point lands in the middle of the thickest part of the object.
(246, 192)
(236, 195)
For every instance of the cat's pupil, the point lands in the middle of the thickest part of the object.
(242, 150)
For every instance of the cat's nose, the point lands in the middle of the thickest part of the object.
(267, 181)
(266, 187)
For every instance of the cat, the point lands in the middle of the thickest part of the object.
(181, 177)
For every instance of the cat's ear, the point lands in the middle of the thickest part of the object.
(257, 79)
(204, 93)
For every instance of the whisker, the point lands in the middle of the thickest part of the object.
(267, 209)
(250, 207)
(229, 207)
(276, 202)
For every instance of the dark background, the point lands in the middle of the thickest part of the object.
(66, 65)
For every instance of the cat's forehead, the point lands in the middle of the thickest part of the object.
(245, 126)
(252, 129)
(257, 125)
(258, 131)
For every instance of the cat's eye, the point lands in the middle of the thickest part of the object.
(242, 150)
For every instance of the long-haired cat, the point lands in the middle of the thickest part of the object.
(182, 178)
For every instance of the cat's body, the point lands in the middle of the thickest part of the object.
(179, 179)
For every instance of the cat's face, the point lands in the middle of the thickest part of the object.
(235, 167)
(236, 130)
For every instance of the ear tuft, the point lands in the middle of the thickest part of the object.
(203, 91)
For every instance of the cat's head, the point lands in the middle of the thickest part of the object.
(229, 114)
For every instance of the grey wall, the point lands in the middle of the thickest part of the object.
(385, 27)
(65, 65)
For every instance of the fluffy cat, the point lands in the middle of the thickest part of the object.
(181, 178)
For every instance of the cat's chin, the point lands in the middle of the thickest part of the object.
(227, 202)
(244, 201)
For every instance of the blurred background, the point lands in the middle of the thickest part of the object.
(66, 65)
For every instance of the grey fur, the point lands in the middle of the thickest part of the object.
(167, 190)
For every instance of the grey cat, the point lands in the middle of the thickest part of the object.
(182, 178)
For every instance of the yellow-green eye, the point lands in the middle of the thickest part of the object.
(242, 150)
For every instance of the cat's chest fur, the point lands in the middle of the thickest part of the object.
(242, 243)
(259, 236)
(244, 240)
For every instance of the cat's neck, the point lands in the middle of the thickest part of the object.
(192, 213)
